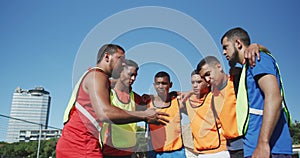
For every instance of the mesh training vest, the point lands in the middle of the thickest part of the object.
(206, 128)
(167, 137)
(242, 105)
(123, 135)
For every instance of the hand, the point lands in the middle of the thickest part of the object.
(155, 117)
(184, 96)
(262, 151)
(251, 53)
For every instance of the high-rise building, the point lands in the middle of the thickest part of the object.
(34, 135)
(30, 105)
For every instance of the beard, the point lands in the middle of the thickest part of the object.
(115, 74)
(235, 57)
(116, 69)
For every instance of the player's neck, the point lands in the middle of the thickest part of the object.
(196, 99)
(104, 68)
(123, 96)
(241, 54)
(122, 87)
(218, 87)
(161, 101)
(163, 98)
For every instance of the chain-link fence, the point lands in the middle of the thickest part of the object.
(13, 130)
(3, 128)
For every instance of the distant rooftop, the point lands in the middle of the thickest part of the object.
(36, 91)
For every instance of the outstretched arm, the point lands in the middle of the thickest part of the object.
(272, 109)
(96, 85)
(182, 98)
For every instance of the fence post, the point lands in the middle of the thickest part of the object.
(39, 143)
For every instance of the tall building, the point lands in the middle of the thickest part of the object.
(30, 105)
(34, 135)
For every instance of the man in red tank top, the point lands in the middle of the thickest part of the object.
(80, 135)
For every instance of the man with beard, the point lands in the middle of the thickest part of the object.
(260, 88)
(90, 106)
(234, 142)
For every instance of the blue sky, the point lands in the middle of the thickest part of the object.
(50, 43)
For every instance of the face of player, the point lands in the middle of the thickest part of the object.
(162, 85)
(211, 74)
(198, 84)
(128, 75)
(117, 62)
(230, 51)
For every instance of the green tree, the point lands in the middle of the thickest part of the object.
(28, 149)
(295, 132)
(49, 148)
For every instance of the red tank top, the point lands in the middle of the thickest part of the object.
(80, 138)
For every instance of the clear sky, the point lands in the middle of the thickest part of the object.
(51, 43)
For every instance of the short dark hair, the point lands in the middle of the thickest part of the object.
(237, 33)
(194, 72)
(132, 63)
(162, 74)
(207, 60)
(109, 48)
